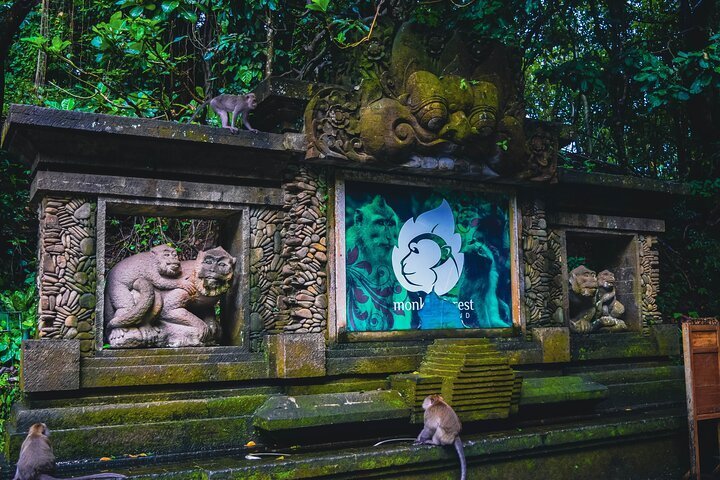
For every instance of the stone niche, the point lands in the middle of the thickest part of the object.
(624, 246)
(214, 227)
(617, 253)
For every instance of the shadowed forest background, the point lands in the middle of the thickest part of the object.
(638, 81)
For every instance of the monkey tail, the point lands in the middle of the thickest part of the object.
(461, 454)
(199, 109)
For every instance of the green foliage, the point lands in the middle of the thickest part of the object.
(21, 308)
(130, 235)
(24, 302)
(687, 74)
(574, 262)
(9, 391)
(17, 225)
(690, 256)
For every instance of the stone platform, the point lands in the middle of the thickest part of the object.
(650, 445)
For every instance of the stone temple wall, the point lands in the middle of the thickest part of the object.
(303, 303)
(67, 277)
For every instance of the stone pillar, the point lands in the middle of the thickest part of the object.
(303, 303)
(67, 272)
(542, 254)
(534, 252)
(556, 296)
(265, 266)
(649, 279)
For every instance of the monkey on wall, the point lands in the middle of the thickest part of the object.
(229, 106)
(442, 427)
(37, 460)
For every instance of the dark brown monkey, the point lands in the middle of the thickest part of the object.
(442, 427)
(230, 104)
(37, 460)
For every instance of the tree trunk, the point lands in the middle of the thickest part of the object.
(270, 46)
(41, 66)
(10, 21)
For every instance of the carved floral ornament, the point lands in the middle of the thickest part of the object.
(419, 100)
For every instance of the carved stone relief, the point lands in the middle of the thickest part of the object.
(67, 272)
(303, 303)
(265, 265)
(649, 279)
(423, 101)
(154, 300)
(535, 249)
(555, 261)
(542, 263)
(593, 303)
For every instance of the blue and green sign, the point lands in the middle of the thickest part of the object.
(422, 258)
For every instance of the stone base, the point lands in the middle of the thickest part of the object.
(296, 355)
(668, 339)
(647, 446)
(50, 365)
(555, 342)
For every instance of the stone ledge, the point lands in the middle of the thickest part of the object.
(544, 391)
(653, 446)
(136, 372)
(282, 412)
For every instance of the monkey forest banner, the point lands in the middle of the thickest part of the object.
(421, 258)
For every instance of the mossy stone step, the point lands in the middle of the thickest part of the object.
(367, 365)
(109, 360)
(143, 397)
(186, 435)
(603, 346)
(610, 375)
(619, 446)
(284, 412)
(139, 413)
(218, 420)
(137, 374)
(360, 350)
(543, 391)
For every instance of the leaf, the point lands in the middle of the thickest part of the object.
(137, 11)
(189, 16)
(168, 7)
(318, 5)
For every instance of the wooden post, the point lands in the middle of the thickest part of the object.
(701, 351)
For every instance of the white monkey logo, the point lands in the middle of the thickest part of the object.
(427, 256)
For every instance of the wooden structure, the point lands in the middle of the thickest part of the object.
(701, 347)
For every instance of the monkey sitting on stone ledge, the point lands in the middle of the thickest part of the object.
(37, 460)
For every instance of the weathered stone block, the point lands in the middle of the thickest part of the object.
(50, 365)
(555, 342)
(667, 338)
(547, 390)
(282, 412)
(297, 355)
